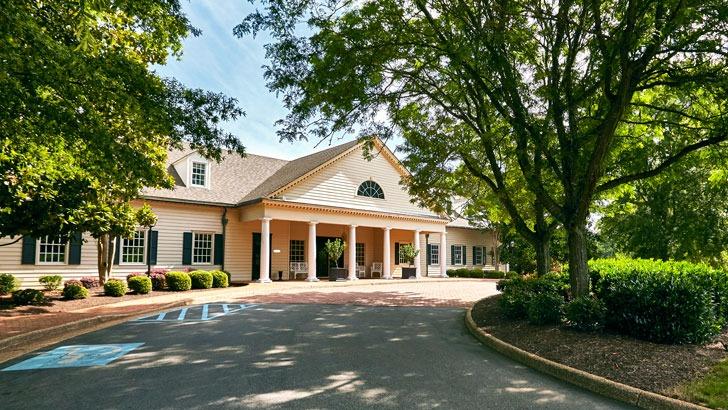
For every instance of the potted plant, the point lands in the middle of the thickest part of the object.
(334, 249)
(409, 253)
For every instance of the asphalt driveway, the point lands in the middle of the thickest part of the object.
(289, 356)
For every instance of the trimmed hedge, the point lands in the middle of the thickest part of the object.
(140, 284)
(545, 309)
(479, 273)
(201, 279)
(664, 302)
(115, 287)
(178, 281)
(8, 283)
(586, 313)
(28, 297)
(519, 294)
(74, 289)
(51, 282)
(220, 279)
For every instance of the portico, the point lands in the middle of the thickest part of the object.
(295, 233)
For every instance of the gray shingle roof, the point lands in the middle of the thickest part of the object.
(238, 179)
(296, 169)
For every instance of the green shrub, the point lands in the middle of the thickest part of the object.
(511, 275)
(664, 302)
(28, 297)
(475, 273)
(586, 313)
(140, 284)
(115, 287)
(178, 281)
(201, 279)
(220, 279)
(545, 309)
(51, 282)
(8, 283)
(74, 289)
(519, 291)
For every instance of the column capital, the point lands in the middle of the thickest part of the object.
(387, 228)
(265, 218)
(353, 226)
(313, 222)
(443, 233)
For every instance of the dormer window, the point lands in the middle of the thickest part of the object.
(370, 189)
(199, 174)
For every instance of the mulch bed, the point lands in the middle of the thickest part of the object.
(649, 366)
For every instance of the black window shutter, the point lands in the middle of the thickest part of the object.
(187, 248)
(429, 254)
(219, 249)
(117, 254)
(396, 253)
(152, 249)
(452, 254)
(74, 254)
(28, 255)
(465, 254)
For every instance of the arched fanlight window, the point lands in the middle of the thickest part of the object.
(370, 189)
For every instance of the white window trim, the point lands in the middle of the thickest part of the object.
(462, 251)
(434, 253)
(37, 254)
(290, 254)
(356, 191)
(482, 255)
(212, 248)
(121, 249)
(207, 174)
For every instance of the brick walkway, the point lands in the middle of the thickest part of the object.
(425, 292)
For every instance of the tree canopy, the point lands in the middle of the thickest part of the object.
(85, 120)
(578, 97)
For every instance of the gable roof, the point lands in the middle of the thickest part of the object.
(296, 169)
(230, 179)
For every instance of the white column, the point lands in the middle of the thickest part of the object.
(443, 254)
(386, 262)
(418, 273)
(352, 253)
(264, 250)
(311, 259)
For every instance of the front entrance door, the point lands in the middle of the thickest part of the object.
(256, 255)
(322, 261)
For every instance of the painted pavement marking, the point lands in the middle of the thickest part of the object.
(200, 313)
(75, 356)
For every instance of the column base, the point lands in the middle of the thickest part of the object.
(388, 277)
(312, 279)
(352, 279)
(266, 280)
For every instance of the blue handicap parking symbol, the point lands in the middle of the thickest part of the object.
(75, 356)
(199, 313)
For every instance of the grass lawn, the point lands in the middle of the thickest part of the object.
(711, 390)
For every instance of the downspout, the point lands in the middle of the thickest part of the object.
(427, 254)
(224, 221)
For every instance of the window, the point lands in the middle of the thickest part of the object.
(133, 249)
(370, 189)
(199, 174)
(52, 249)
(201, 248)
(402, 260)
(360, 254)
(434, 254)
(457, 255)
(296, 251)
(478, 258)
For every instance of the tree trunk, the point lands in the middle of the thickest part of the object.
(543, 256)
(578, 268)
(105, 248)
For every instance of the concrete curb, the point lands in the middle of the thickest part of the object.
(41, 337)
(599, 385)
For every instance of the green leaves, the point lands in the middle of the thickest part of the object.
(85, 123)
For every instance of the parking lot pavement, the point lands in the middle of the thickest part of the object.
(283, 356)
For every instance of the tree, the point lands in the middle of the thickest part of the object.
(334, 249)
(86, 122)
(579, 97)
(681, 214)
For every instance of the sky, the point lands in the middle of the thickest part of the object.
(218, 61)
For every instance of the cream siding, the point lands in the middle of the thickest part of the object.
(337, 184)
(461, 236)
